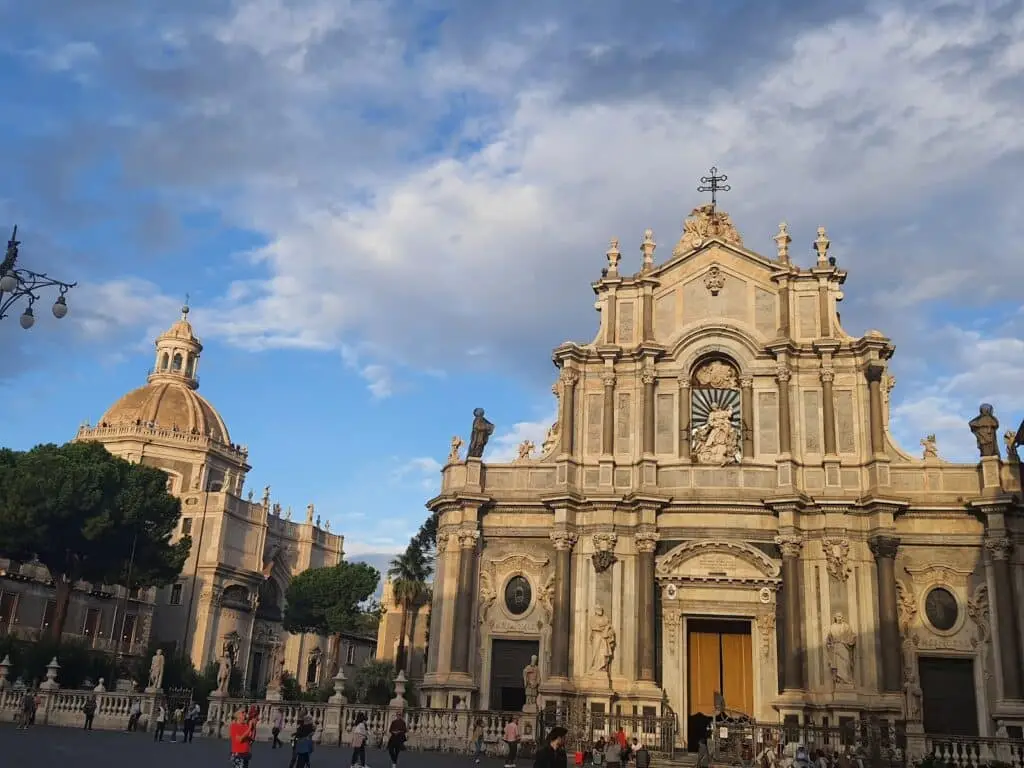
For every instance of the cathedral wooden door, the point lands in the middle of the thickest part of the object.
(720, 662)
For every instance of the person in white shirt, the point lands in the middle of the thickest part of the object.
(512, 740)
(161, 721)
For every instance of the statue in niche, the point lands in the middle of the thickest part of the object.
(840, 644)
(482, 430)
(931, 450)
(453, 451)
(984, 426)
(602, 640)
(531, 682)
(716, 441)
(1010, 441)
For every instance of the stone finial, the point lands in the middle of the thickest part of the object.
(647, 246)
(399, 701)
(782, 241)
(100, 687)
(339, 689)
(821, 246)
(614, 256)
(51, 684)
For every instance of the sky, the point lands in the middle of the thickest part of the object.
(387, 213)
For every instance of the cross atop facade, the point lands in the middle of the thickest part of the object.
(714, 184)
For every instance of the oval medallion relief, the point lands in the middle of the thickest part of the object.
(942, 609)
(518, 595)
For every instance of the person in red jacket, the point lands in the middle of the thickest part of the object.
(243, 734)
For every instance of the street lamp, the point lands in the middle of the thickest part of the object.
(16, 283)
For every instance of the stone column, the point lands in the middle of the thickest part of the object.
(684, 417)
(884, 549)
(608, 417)
(437, 605)
(747, 415)
(1000, 549)
(785, 421)
(463, 619)
(648, 381)
(567, 418)
(874, 373)
(561, 619)
(828, 411)
(645, 545)
(792, 664)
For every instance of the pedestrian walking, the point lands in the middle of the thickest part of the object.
(192, 718)
(397, 734)
(552, 754)
(478, 740)
(90, 711)
(133, 717)
(160, 724)
(276, 725)
(304, 744)
(242, 736)
(177, 717)
(512, 741)
(359, 736)
(28, 705)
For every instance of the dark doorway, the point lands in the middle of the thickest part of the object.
(719, 669)
(948, 702)
(508, 657)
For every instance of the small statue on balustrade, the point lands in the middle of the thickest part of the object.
(984, 426)
(482, 431)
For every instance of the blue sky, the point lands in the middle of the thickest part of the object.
(388, 213)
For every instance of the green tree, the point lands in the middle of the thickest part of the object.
(84, 514)
(330, 600)
(409, 573)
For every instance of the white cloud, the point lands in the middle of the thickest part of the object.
(505, 447)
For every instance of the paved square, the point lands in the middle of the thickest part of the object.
(76, 748)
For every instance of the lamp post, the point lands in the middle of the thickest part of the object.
(16, 283)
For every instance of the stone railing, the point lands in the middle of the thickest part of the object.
(429, 729)
(65, 708)
(972, 752)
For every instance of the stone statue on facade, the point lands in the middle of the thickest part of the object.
(913, 693)
(482, 430)
(602, 640)
(310, 511)
(550, 440)
(840, 644)
(703, 223)
(526, 449)
(931, 449)
(985, 426)
(716, 441)
(453, 452)
(223, 675)
(156, 671)
(531, 682)
(1010, 441)
(716, 375)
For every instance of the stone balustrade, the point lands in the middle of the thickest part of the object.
(64, 708)
(971, 752)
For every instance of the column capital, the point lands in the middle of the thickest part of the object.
(746, 382)
(789, 544)
(999, 547)
(646, 541)
(468, 539)
(883, 546)
(564, 541)
(782, 373)
(647, 377)
(608, 379)
(568, 377)
(683, 380)
(827, 375)
(874, 372)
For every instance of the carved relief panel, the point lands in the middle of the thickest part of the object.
(516, 592)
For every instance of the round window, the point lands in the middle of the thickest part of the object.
(942, 609)
(518, 595)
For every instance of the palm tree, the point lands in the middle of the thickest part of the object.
(409, 573)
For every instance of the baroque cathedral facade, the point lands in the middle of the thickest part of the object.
(720, 516)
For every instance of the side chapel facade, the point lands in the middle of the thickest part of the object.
(721, 509)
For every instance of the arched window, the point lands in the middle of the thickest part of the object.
(191, 367)
(164, 361)
(715, 416)
(176, 363)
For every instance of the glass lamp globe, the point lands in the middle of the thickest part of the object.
(8, 283)
(60, 308)
(27, 318)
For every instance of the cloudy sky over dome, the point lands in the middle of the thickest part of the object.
(388, 213)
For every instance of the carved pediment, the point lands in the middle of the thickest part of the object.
(717, 560)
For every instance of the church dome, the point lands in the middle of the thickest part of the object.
(168, 405)
(169, 399)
